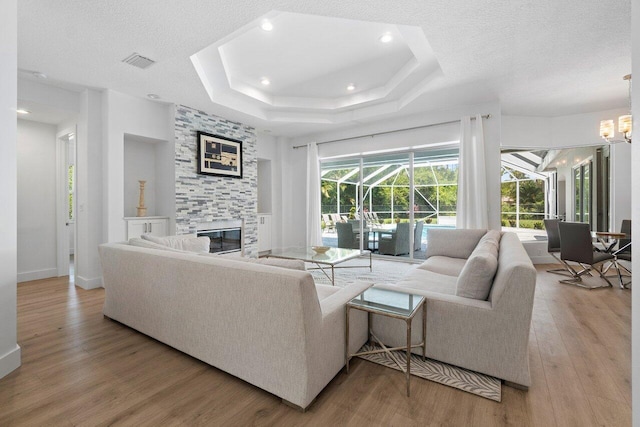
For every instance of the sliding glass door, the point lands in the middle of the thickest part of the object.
(389, 199)
(582, 192)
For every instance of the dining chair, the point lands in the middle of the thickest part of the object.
(553, 246)
(576, 246)
(624, 250)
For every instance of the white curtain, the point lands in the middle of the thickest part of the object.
(472, 178)
(314, 228)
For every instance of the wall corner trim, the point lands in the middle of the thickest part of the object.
(10, 361)
(88, 284)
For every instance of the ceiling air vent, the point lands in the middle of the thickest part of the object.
(138, 60)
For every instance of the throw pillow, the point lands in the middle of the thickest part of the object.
(141, 243)
(476, 277)
(189, 243)
(493, 237)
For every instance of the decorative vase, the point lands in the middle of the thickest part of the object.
(142, 210)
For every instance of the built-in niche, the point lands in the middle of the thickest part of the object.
(264, 186)
(144, 159)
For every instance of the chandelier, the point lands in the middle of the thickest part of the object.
(624, 123)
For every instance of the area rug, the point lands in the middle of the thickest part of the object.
(383, 272)
(441, 373)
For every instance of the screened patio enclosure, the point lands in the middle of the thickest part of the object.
(386, 181)
(375, 193)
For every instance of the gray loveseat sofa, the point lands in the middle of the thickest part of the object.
(488, 335)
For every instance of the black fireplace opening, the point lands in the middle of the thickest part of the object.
(223, 240)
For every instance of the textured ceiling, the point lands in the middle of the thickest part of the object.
(543, 57)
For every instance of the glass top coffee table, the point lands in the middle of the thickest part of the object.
(325, 261)
(390, 303)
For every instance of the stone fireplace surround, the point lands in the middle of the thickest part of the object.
(203, 201)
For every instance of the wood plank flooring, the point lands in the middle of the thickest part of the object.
(82, 369)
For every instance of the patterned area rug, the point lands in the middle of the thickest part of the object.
(383, 272)
(432, 370)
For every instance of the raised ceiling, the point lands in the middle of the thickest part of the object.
(316, 69)
(541, 58)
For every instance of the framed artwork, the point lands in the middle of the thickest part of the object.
(219, 156)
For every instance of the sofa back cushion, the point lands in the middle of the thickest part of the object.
(452, 243)
(189, 243)
(476, 277)
(292, 264)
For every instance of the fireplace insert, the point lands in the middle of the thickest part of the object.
(223, 240)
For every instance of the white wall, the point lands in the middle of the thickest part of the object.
(294, 173)
(89, 176)
(575, 130)
(124, 114)
(36, 154)
(9, 349)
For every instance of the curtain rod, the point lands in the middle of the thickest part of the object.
(371, 135)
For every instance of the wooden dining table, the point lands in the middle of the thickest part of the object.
(609, 240)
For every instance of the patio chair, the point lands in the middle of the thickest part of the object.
(553, 246)
(331, 226)
(417, 236)
(396, 242)
(576, 246)
(336, 218)
(348, 238)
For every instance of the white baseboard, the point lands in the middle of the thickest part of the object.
(27, 276)
(89, 284)
(10, 361)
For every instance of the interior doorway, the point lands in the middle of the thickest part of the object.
(66, 203)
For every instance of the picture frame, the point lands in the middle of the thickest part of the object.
(219, 155)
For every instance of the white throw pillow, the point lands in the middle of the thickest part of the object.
(141, 243)
(189, 243)
(476, 277)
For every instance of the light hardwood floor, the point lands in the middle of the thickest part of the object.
(82, 369)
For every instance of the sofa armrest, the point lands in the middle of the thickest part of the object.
(333, 323)
(342, 297)
(435, 296)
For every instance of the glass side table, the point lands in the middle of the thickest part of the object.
(397, 305)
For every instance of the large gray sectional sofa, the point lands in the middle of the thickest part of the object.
(275, 328)
(487, 331)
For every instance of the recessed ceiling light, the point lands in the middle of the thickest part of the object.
(351, 87)
(22, 111)
(266, 25)
(386, 38)
(153, 96)
(39, 75)
(265, 81)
